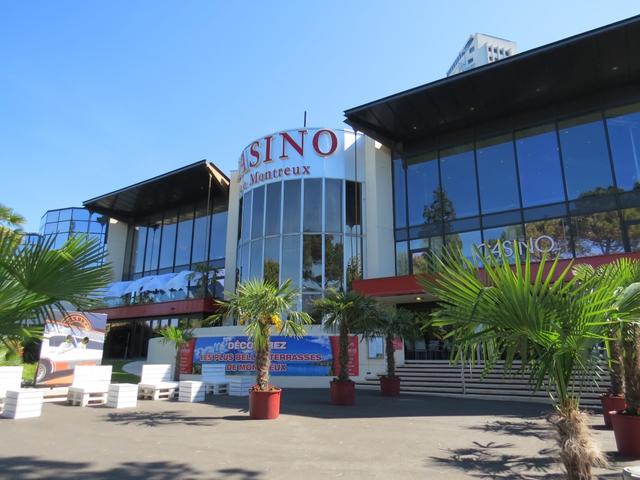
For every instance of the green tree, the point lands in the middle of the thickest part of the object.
(176, 337)
(36, 281)
(264, 308)
(553, 323)
(349, 313)
(397, 323)
(10, 219)
(272, 271)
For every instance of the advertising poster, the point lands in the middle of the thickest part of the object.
(306, 356)
(73, 339)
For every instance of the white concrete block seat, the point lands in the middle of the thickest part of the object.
(23, 403)
(191, 391)
(90, 385)
(122, 395)
(156, 382)
(239, 385)
(10, 379)
(214, 379)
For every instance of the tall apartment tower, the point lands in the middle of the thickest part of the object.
(481, 49)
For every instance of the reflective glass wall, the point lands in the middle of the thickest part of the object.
(309, 231)
(569, 186)
(178, 239)
(66, 222)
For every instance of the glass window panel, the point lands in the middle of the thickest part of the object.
(291, 206)
(309, 306)
(312, 205)
(218, 235)
(511, 237)
(80, 226)
(352, 258)
(185, 234)
(61, 238)
(399, 194)
(353, 198)
(623, 125)
(272, 216)
(539, 164)
(169, 228)
(80, 214)
(541, 213)
(333, 205)
(597, 234)
(333, 261)
(246, 216)
(272, 260)
(631, 219)
(291, 259)
(199, 246)
(466, 241)
(255, 268)
(53, 216)
(423, 189)
(95, 227)
(139, 239)
(497, 174)
(64, 226)
(50, 228)
(312, 262)
(548, 236)
(585, 155)
(153, 246)
(257, 215)
(459, 188)
(422, 260)
(402, 258)
(65, 214)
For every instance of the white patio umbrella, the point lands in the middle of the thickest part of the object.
(156, 282)
(182, 279)
(116, 289)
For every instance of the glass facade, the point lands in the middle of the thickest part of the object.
(177, 240)
(63, 224)
(309, 231)
(565, 186)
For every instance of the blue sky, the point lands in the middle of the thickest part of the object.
(96, 95)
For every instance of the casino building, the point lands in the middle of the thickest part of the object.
(540, 150)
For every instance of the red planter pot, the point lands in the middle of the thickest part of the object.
(390, 386)
(264, 405)
(626, 429)
(343, 392)
(611, 402)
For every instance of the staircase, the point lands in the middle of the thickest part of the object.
(440, 378)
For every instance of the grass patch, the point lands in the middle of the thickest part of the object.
(28, 369)
(118, 375)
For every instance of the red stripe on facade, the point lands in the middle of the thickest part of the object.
(164, 309)
(408, 284)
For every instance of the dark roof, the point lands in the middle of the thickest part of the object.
(594, 61)
(183, 186)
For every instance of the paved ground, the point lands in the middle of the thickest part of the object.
(387, 438)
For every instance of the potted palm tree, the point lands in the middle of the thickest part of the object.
(611, 275)
(348, 313)
(626, 422)
(264, 308)
(553, 323)
(395, 323)
(177, 337)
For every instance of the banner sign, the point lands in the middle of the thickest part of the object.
(306, 356)
(186, 356)
(73, 339)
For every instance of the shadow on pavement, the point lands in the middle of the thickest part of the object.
(164, 418)
(370, 404)
(541, 431)
(28, 467)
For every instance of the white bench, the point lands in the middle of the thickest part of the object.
(10, 379)
(239, 386)
(156, 382)
(23, 403)
(214, 378)
(191, 391)
(122, 395)
(90, 385)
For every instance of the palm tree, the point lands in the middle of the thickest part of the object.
(177, 337)
(553, 323)
(347, 312)
(9, 218)
(264, 308)
(36, 281)
(397, 323)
